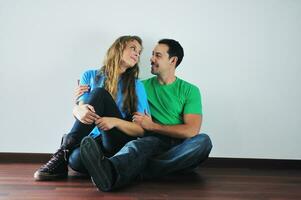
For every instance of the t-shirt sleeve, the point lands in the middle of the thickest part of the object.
(84, 80)
(193, 103)
(142, 98)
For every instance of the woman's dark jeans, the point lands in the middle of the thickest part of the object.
(110, 141)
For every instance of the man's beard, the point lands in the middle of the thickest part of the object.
(153, 66)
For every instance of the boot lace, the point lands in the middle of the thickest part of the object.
(56, 159)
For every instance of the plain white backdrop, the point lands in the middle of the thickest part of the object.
(245, 56)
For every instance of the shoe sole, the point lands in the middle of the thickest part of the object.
(39, 176)
(91, 156)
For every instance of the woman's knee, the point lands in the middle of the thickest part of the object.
(98, 95)
(75, 161)
(100, 91)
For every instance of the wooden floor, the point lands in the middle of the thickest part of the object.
(16, 182)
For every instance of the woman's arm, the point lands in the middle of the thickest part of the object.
(85, 113)
(129, 128)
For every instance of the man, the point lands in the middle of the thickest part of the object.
(172, 141)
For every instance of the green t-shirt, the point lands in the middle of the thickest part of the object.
(169, 102)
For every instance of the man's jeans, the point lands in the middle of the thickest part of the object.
(185, 156)
(155, 156)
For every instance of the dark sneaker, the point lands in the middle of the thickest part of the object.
(99, 167)
(56, 168)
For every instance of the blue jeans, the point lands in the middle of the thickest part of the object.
(155, 156)
(75, 161)
(185, 156)
(111, 141)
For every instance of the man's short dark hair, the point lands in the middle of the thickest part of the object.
(174, 49)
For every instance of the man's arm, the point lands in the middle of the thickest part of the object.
(190, 127)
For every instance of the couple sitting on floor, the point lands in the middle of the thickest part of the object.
(126, 128)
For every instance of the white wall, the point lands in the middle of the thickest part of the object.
(243, 55)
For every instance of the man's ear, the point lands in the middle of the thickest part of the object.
(173, 60)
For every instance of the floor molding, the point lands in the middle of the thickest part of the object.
(24, 157)
(252, 163)
(212, 162)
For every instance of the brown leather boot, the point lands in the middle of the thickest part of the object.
(57, 167)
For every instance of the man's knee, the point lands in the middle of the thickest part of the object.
(202, 141)
(205, 139)
(200, 147)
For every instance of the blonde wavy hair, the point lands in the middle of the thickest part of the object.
(110, 69)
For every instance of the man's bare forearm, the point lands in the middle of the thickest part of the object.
(177, 131)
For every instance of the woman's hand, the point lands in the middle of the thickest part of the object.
(144, 120)
(80, 90)
(106, 123)
(85, 113)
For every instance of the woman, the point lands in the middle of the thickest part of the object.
(107, 110)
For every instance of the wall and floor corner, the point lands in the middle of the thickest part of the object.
(243, 55)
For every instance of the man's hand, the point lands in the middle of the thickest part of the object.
(80, 90)
(106, 123)
(85, 113)
(144, 120)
